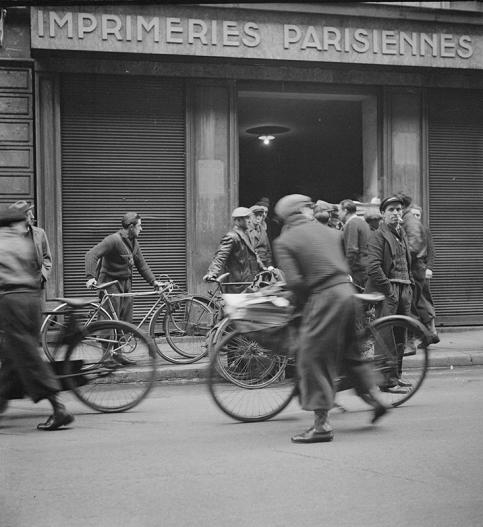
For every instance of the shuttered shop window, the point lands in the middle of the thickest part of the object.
(456, 211)
(123, 149)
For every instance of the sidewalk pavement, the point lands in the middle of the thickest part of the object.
(461, 346)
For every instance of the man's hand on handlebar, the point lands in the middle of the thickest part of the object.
(159, 285)
(209, 278)
(91, 283)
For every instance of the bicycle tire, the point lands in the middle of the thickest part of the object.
(413, 368)
(186, 325)
(54, 323)
(93, 368)
(247, 381)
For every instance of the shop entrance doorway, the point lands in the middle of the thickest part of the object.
(323, 145)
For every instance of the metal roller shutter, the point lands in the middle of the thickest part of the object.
(123, 148)
(456, 212)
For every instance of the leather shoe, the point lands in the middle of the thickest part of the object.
(55, 421)
(122, 359)
(312, 436)
(404, 384)
(434, 338)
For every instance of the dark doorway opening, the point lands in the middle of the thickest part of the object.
(321, 155)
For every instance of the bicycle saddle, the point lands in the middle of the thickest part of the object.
(75, 302)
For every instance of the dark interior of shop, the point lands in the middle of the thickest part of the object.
(320, 155)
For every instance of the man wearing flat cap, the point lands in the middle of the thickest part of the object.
(236, 254)
(312, 259)
(39, 238)
(114, 258)
(21, 364)
(389, 273)
(258, 235)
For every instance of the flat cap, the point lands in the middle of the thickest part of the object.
(390, 199)
(291, 204)
(22, 206)
(258, 208)
(130, 218)
(241, 212)
(321, 206)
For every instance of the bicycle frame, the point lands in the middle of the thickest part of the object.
(106, 302)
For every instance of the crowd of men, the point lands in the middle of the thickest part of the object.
(325, 252)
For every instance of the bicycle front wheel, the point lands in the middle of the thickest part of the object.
(110, 366)
(55, 322)
(186, 324)
(249, 382)
(396, 345)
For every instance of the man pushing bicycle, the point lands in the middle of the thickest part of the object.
(312, 259)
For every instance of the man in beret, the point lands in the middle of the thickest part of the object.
(39, 238)
(236, 254)
(312, 259)
(21, 364)
(389, 273)
(113, 258)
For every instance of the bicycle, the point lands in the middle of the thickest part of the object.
(215, 302)
(93, 366)
(181, 322)
(252, 375)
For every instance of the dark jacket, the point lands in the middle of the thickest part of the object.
(236, 255)
(261, 244)
(311, 256)
(381, 250)
(119, 254)
(356, 235)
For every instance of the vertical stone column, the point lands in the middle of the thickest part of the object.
(403, 142)
(212, 172)
(49, 192)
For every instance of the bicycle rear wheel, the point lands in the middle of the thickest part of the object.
(248, 381)
(110, 366)
(386, 346)
(55, 322)
(186, 324)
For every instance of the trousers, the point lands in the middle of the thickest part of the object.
(22, 369)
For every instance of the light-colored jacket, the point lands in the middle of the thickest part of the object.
(42, 251)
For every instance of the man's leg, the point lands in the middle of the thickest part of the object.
(317, 362)
(21, 325)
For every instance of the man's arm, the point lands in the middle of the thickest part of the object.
(46, 257)
(142, 266)
(222, 254)
(289, 266)
(93, 255)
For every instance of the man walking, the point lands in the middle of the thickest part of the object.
(312, 259)
(389, 273)
(356, 234)
(21, 364)
(236, 254)
(114, 258)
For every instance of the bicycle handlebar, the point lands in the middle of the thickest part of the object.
(105, 285)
